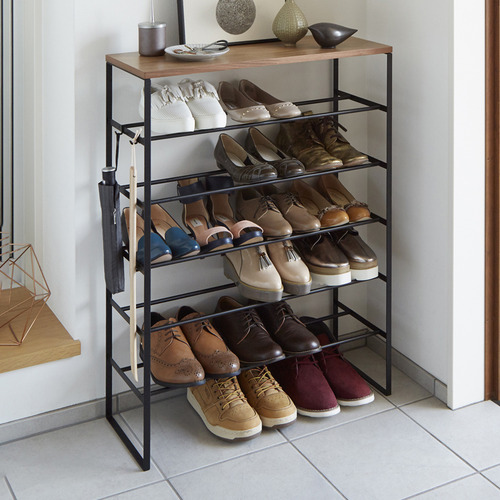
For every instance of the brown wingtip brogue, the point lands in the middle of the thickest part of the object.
(172, 360)
(207, 345)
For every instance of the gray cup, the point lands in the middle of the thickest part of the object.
(152, 38)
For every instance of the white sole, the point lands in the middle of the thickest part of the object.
(331, 279)
(278, 422)
(357, 402)
(228, 434)
(248, 291)
(364, 274)
(185, 124)
(319, 413)
(206, 122)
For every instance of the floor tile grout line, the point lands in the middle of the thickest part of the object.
(439, 440)
(489, 480)
(9, 487)
(132, 489)
(228, 460)
(153, 461)
(336, 426)
(318, 471)
(441, 485)
(486, 469)
(48, 431)
(416, 401)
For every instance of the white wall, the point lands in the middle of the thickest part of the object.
(438, 305)
(76, 35)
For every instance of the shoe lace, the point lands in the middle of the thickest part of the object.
(263, 379)
(305, 360)
(284, 311)
(251, 319)
(266, 203)
(169, 334)
(330, 122)
(204, 325)
(291, 199)
(229, 390)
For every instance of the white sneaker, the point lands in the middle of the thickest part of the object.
(203, 101)
(169, 111)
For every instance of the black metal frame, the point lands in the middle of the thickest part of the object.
(339, 309)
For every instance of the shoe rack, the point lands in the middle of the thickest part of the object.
(240, 56)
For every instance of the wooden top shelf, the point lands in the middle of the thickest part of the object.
(244, 56)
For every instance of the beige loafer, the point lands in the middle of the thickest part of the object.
(332, 189)
(254, 273)
(239, 107)
(276, 107)
(295, 275)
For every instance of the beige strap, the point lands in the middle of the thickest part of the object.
(132, 259)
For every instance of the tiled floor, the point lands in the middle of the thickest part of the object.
(406, 446)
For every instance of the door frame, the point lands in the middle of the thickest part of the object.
(492, 207)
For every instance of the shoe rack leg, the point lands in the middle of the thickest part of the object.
(109, 310)
(147, 279)
(388, 290)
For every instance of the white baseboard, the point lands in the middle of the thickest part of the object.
(77, 414)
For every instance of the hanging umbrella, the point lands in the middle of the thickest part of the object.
(109, 194)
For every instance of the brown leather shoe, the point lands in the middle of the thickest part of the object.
(332, 189)
(335, 143)
(326, 262)
(362, 259)
(172, 361)
(330, 215)
(245, 334)
(207, 345)
(287, 330)
(293, 210)
(252, 205)
(299, 140)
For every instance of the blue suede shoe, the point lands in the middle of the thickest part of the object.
(178, 241)
(160, 251)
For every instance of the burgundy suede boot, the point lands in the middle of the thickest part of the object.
(349, 387)
(302, 379)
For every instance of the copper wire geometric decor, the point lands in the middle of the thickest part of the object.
(23, 289)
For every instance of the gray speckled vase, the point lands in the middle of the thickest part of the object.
(290, 24)
(235, 16)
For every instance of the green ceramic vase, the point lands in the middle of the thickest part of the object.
(290, 24)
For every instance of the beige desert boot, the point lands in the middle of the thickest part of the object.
(266, 396)
(224, 409)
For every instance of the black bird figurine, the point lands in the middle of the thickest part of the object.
(329, 35)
